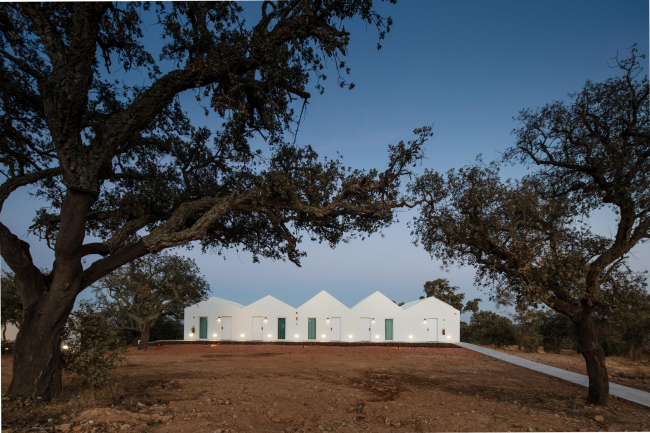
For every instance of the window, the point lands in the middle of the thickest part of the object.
(282, 326)
(389, 329)
(311, 328)
(203, 327)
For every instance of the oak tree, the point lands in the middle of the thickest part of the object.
(441, 289)
(530, 239)
(93, 122)
(139, 293)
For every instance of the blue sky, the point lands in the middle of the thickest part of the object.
(465, 67)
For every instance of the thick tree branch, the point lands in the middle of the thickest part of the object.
(12, 184)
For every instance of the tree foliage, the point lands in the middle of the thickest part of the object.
(623, 319)
(93, 121)
(490, 329)
(92, 347)
(529, 239)
(135, 296)
(441, 289)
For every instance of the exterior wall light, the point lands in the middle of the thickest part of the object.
(373, 320)
(219, 319)
(424, 320)
(265, 319)
(65, 347)
(328, 320)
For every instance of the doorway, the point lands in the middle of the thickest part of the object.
(203, 327)
(258, 328)
(311, 328)
(432, 327)
(226, 328)
(388, 329)
(365, 329)
(282, 327)
(335, 329)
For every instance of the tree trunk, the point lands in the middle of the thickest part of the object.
(46, 308)
(37, 350)
(145, 331)
(595, 358)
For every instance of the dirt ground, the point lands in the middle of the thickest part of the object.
(635, 374)
(251, 388)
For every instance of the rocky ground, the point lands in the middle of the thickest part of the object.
(250, 388)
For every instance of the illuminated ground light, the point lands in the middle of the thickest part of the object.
(191, 335)
(448, 336)
(376, 336)
(214, 335)
(410, 336)
(270, 335)
(350, 336)
(322, 336)
(65, 347)
(296, 335)
(242, 335)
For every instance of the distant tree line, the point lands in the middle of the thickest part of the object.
(623, 328)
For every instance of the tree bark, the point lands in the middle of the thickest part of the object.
(46, 308)
(145, 331)
(37, 351)
(595, 358)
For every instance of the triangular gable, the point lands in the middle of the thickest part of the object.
(268, 299)
(377, 294)
(216, 299)
(320, 297)
(428, 300)
(410, 304)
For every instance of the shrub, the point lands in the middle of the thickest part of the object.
(7, 347)
(489, 329)
(93, 346)
(557, 333)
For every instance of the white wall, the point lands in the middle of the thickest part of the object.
(272, 309)
(212, 308)
(408, 321)
(433, 308)
(11, 332)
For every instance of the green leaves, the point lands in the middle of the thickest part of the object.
(90, 346)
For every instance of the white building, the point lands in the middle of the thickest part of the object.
(323, 318)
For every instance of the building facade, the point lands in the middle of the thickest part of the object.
(323, 318)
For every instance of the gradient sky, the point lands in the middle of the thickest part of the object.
(467, 68)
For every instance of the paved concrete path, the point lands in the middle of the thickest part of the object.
(620, 391)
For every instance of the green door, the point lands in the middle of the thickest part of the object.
(311, 329)
(389, 329)
(281, 328)
(203, 327)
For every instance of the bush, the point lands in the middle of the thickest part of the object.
(7, 347)
(557, 333)
(166, 329)
(489, 329)
(92, 347)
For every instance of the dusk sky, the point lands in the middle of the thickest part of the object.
(467, 68)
